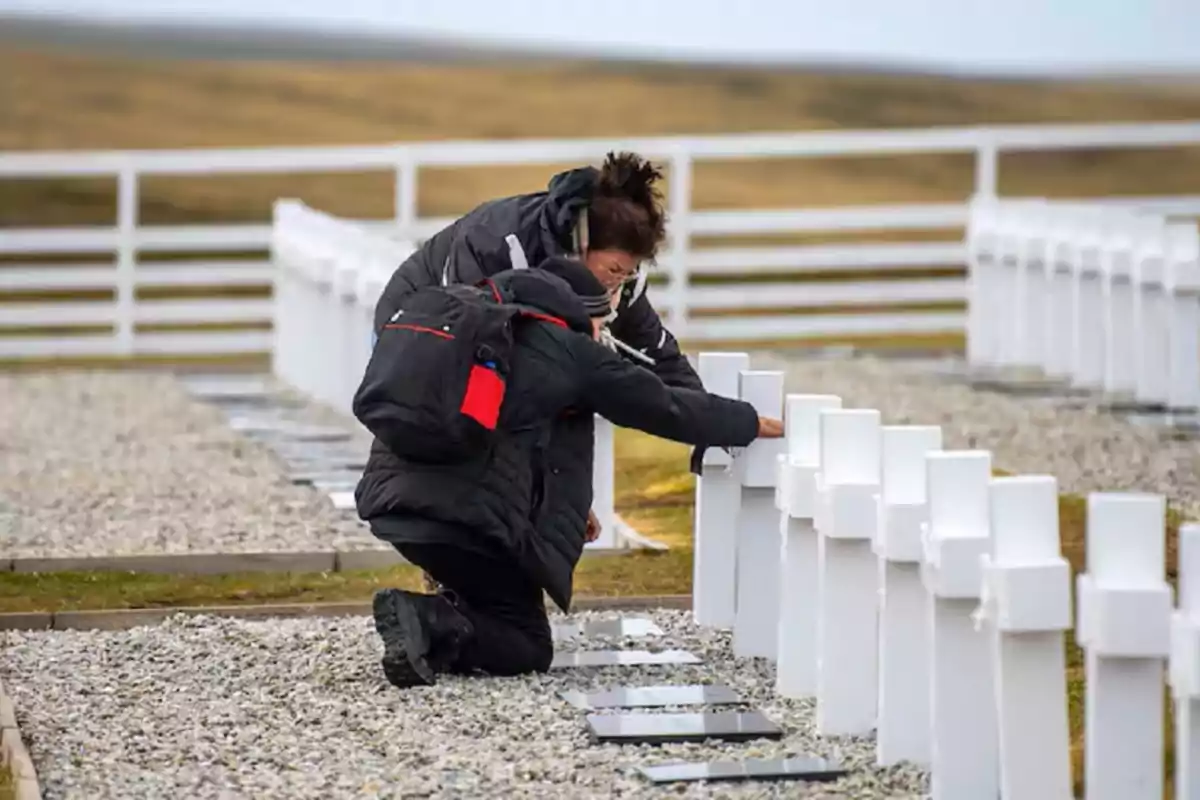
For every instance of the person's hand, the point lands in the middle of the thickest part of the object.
(593, 528)
(770, 428)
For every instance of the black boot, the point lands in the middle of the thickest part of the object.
(422, 635)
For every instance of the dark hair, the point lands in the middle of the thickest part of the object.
(626, 212)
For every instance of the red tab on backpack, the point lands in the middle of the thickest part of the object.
(484, 395)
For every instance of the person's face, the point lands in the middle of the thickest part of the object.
(611, 267)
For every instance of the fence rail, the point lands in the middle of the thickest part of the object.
(125, 252)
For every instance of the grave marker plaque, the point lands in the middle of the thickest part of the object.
(730, 726)
(621, 658)
(651, 696)
(805, 768)
(614, 628)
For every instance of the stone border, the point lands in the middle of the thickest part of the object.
(14, 756)
(227, 563)
(125, 618)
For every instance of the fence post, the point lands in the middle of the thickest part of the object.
(1006, 298)
(127, 250)
(304, 237)
(1087, 322)
(903, 733)
(405, 200)
(1027, 605)
(370, 285)
(285, 324)
(1120, 376)
(1123, 625)
(679, 199)
(796, 666)
(962, 704)
(1061, 301)
(604, 490)
(344, 299)
(1183, 286)
(718, 501)
(324, 374)
(1185, 665)
(1033, 286)
(987, 166)
(847, 679)
(756, 613)
(982, 255)
(1150, 320)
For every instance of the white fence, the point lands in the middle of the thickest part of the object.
(1105, 298)
(750, 309)
(915, 596)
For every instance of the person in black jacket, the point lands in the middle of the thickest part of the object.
(610, 218)
(497, 531)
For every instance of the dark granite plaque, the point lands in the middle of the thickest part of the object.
(621, 658)
(650, 696)
(805, 768)
(730, 726)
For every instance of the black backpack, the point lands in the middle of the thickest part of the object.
(436, 379)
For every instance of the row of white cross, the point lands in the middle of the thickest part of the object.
(919, 597)
(329, 275)
(1106, 298)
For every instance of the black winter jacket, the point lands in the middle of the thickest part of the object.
(531, 494)
(474, 247)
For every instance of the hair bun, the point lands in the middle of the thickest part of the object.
(629, 176)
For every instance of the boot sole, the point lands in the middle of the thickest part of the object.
(405, 642)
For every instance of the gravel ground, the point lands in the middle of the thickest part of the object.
(97, 463)
(1087, 450)
(205, 707)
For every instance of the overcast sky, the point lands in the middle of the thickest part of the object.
(973, 35)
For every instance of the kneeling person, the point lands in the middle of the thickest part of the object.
(498, 527)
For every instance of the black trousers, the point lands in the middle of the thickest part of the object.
(507, 610)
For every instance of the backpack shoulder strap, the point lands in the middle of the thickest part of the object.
(529, 312)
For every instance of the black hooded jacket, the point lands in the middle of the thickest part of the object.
(530, 495)
(474, 247)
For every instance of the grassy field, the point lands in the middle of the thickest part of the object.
(66, 100)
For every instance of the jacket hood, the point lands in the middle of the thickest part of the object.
(567, 194)
(544, 292)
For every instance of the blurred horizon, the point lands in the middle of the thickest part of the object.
(1018, 38)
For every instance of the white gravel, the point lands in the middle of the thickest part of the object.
(1087, 450)
(204, 707)
(122, 463)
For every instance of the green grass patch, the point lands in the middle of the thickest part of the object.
(642, 573)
